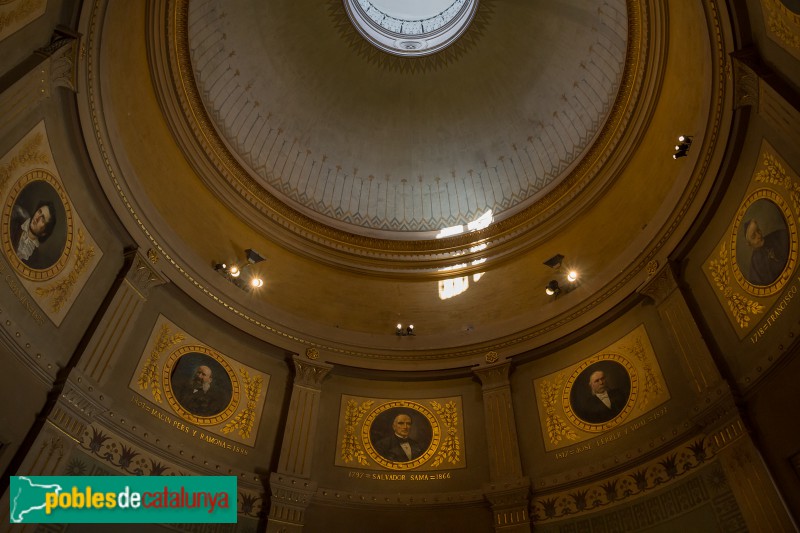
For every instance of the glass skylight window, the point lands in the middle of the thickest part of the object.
(411, 27)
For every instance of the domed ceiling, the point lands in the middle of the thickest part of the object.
(402, 148)
(385, 189)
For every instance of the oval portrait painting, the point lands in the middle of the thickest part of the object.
(600, 392)
(37, 225)
(762, 243)
(201, 385)
(400, 434)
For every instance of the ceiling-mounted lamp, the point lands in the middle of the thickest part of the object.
(408, 331)
(682, 148)
(552, 288)
(239, 273)
(569, 277)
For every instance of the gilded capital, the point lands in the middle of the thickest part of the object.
(661, 284)
(141, 273)
(745, 81)
(310, 374)
(494, 376)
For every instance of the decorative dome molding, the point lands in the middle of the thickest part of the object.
(313, 227)
(383, 263)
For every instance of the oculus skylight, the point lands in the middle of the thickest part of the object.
(411, 27)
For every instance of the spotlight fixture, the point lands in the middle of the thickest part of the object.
(552, 288)
(569, 281)
(408, 331)
(682, 148)
(239, 273)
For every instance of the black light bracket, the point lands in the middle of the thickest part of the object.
(241, 275)
(253, 257)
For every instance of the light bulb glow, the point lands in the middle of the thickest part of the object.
(572, 276)
(234, 271)
(256, 282)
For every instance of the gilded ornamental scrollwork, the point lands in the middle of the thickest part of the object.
(203, 387)
(628, 379)
(351, 450)
(149, 375)
(754, 264)
(650, 385)
(774, 173)
(401, 435)
(782, 25)
(15, 14)
(59, 292)
(549, 394)
(30, 153)
(742, 307)
(450, 448)
(42, 235)
(244, 420)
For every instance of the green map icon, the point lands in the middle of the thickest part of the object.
(28, 497)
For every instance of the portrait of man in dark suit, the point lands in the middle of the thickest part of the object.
(600, 392)
(200, 385)
(407, 437)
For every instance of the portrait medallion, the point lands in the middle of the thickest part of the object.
(400, 435)
(600, 393)
(762, 243)
(200, 385)
(37, 226)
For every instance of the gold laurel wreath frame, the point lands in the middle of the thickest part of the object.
(782, 189)
(173, 359)
(634, 392)
(436, 435)
(22, 269)
(777, 285)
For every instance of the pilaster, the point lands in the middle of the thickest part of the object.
(760, 502)
(122, 311)
(46, 69)
(687, 341)
(291, 486)
(508, 491)
(758, 87)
